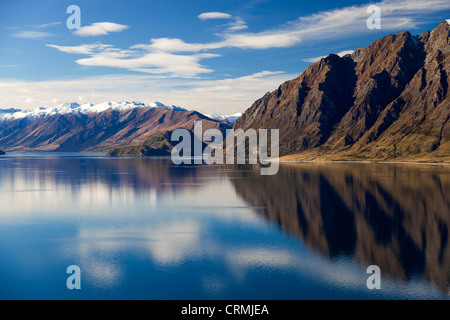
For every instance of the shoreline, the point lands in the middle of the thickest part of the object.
(413, 159)
(280, 160)
(366, 161)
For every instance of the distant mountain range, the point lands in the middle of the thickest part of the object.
(389, 100)
(66, 108)
(231, 119)
(94, 128)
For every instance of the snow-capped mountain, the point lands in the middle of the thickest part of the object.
(227, 118)
(72, 127)
(9, 114)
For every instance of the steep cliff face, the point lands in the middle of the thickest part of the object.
(387, 100)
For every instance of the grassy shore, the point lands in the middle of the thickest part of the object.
(318, 156)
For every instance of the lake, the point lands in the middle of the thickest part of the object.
(148, 229)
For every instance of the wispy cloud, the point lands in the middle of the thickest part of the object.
(173, 45)
(46, 25)
(82, 49)
(339, 23)
(214, 15)
(139, 59)
(243, 41)
(350, 21)
(32, 35)
(100, 29)
(159, 56)
(263, 40)
(237, 24)
(175, 58)
(153, 62)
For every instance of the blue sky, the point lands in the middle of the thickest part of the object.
(212, 56)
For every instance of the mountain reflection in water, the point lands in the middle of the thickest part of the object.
(145, 228)
(396, 216)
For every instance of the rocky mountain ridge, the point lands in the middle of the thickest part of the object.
(389, 100)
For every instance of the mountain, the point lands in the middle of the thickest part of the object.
(93, 128)
(159, 144)
(230, 119)
(15, 114)
(2, 153)
(389, 100)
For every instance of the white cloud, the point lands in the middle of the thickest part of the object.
(338, 23)
(46, 25)
(32, 34)
(153, 62)
(340, 54)
(152, 58)
(172, 45)
(159, 56)
(214, 15)
(345, 52)
(243, 41)
(350, 21)
(81, 49)
(100, 29)
(236, 25)
(261, 40)
(225, 96)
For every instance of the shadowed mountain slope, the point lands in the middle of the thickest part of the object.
(389, 100)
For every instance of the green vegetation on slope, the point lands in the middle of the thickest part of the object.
(157, 145)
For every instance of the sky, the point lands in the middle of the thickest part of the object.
(211, 56)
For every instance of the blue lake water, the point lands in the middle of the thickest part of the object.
(147, 229)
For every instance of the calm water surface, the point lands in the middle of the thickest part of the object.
(146, 229)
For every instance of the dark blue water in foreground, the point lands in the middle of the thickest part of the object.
(147, 229)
